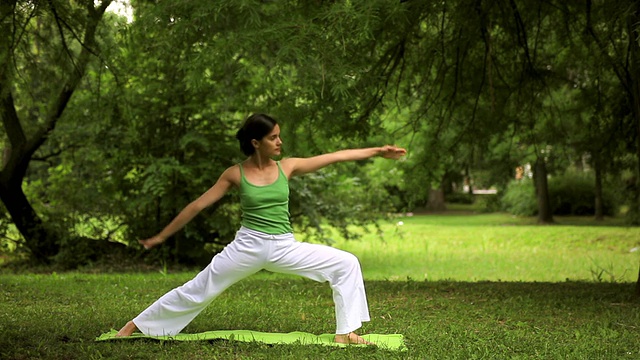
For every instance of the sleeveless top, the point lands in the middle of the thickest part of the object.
(265, 208)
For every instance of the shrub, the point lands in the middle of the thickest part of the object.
(520, 199)
(459, 198)
(81, 251)
(489, 203)
(572, 193)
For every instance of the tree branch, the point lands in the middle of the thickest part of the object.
(521, 31)
(387, 66)
(15, 164)
(58, 106)
(75, 36)
(54, 154)
(620, 72)
(62, 39)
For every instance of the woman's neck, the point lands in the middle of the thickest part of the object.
(260, 162)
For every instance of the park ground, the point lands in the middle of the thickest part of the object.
(456, 286)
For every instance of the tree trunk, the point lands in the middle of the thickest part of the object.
(436, 200)
(599, 208)
(633, 78)
(638, 285)
(542, 192)
(467, 180)
(42, 243)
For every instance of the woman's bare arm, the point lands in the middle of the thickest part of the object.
(299, 166)
(211, 196)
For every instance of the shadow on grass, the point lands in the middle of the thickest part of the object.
(541, 292)
(59, 317)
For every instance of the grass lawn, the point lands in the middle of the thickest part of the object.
(499, 247)
(457, 287)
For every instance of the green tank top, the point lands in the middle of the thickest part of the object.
(266, 208)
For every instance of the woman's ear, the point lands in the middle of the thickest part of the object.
(255, 143)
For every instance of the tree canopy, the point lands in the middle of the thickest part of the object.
(110, 127)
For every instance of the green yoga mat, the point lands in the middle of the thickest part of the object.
(388, 342)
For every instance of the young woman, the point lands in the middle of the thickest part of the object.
(265, 239)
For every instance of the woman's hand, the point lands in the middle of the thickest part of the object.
(392, 152)
(151, 242)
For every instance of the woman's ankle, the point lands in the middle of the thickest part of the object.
(128, 329)
(351, 338)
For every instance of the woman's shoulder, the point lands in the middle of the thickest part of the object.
(287, 165)
(291, 161)
(232, 174)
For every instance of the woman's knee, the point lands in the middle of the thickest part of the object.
(349, 263)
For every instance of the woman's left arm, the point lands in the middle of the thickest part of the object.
(299, 166)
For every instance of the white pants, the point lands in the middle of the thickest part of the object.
(250, 252)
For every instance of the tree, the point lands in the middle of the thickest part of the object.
(42, 62)
(468, 86)
(617, 46)
(187, 82)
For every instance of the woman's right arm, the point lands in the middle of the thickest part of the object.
(211, 196)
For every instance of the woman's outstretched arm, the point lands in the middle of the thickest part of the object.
(299, 166)
(215, 193)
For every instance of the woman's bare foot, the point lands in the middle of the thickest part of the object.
(127, 330)
(351, 338)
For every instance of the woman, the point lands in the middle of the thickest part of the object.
(265, 239)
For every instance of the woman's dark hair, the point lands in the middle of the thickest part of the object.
(256, 127)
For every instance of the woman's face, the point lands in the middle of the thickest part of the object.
(271, 144)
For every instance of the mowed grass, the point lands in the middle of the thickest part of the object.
(499, 247)
(459, 311)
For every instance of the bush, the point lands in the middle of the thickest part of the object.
(487, 203)
(574, 194)
(520, 198)
(459, 198)
(569, 194)
(82, 251)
